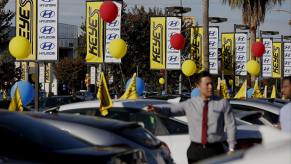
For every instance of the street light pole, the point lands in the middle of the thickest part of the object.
(205, 8)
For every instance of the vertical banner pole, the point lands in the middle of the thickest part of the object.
(36, 85)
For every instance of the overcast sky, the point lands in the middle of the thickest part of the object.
(73, 12)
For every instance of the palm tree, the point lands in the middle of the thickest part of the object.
(253, 12)
(205, 13)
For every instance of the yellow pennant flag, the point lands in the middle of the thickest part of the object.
(104, 96)
(131, 92)
(273, 95)
(224, 89)
(16, 103)
(257, 93)
(242, 93)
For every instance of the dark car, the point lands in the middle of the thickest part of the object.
(107, 132)
(27, 139)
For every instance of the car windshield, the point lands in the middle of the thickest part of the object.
(41, 134)
(139, 135)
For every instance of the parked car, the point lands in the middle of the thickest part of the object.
(270, 112)
(53, 101)
(105, 132)
(84, 95)
(172, 131)
(277, 151)
(26, 139)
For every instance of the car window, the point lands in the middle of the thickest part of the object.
(87, 111)
(271, 117)
(254, 119)
(174, 127)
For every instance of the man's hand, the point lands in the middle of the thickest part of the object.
(150, 108)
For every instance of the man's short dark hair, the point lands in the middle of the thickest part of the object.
(287, 78)
(201, 75)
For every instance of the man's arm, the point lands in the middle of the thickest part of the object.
(169, 110)
(230, 126)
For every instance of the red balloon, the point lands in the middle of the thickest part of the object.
(258, 49)
(108, 11)
(177, 41)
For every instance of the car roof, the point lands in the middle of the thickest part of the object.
(97, 122)
(139, 104)
(258, 104)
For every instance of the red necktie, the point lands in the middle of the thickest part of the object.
(204, 123)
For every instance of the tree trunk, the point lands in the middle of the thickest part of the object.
(253, 31)
(205, 8)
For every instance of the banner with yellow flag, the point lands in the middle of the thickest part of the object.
(277, 60)
(158, 43)
(16, 103)
(224, 89)
(94, 33)
(104, 96)
(196, 42)
(273, 95)
(227, 41)
(242, 93)
(131, 92)
(25, 22)
(257, 92)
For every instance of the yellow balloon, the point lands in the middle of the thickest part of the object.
(189, 68)
(19, 47)
(230, 82)
(117, 48)
(253, 67)
(33, 77)
(162, 81)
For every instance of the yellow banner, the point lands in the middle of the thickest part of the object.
(227, 41)
(25, 19)
(23, 70)
(277, 59)
(94, 28)
(158, 43)
(48, 73)
(196, 42)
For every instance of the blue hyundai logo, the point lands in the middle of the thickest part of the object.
(47, 0)
(47, 46)
(113, 24)
(112, 36)
(173, 23)
(47, 30)
(47, 14)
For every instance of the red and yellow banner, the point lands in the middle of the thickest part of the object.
(158, 43)
(25, 20)
(227, 41)
(277, 60)
(94, 29)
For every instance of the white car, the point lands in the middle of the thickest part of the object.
(172, 131)
(276, 148)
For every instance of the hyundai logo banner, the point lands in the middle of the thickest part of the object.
(267, 70)
(47, 30)
(173, 55)
(112, 32)
(241, 53)
(287, 59)
(213, 50)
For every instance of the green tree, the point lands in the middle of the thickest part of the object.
(71, 71)
(5, 21)
(253, 12)
(7, 69)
